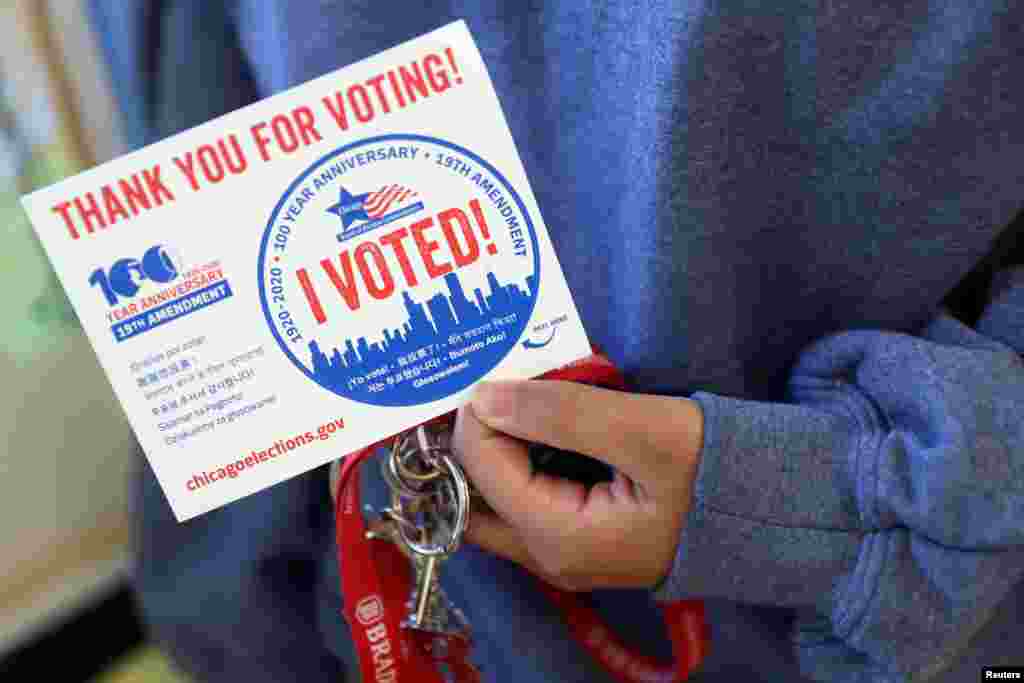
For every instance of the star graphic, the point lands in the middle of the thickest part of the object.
(349, 207)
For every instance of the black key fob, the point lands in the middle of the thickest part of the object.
(569, 465)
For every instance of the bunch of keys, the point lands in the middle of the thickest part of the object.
(427, 517)
(429, 511)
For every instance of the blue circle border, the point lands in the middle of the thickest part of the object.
(260, 261)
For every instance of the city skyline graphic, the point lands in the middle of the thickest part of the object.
(427, 326)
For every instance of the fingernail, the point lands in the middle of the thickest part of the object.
(494, 400)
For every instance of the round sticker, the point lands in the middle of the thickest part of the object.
(398, 270)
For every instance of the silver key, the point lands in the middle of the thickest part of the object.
(428, 515)
(437, 514)
(428, 605)
(430, 608)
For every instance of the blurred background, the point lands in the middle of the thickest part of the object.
(67, 449)
(67, 454)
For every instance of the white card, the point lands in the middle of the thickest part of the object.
(312, 273)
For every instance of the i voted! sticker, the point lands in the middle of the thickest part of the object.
(425, 242)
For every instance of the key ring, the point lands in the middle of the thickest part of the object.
(395, 473)
(452, 479)
(407, 448)
(457, 480)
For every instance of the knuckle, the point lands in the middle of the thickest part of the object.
(568, 585)
(462, 437)
(564, 407)
(560, 567)
(561, 580)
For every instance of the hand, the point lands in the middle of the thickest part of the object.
(618, 534)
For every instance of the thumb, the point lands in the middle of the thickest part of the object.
(499, 466)
(642, 435)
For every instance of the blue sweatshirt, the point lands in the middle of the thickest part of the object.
(759, 205)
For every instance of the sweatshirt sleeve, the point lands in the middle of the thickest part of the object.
(884, 498)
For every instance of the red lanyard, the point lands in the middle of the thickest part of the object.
(376, 579)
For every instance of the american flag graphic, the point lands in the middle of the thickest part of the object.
(377, 203)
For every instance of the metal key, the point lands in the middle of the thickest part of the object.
(442, 521)
(428, 515)
(430, 608)
(428, 604)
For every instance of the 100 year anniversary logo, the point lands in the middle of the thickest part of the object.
(398, 270)
(145, 293)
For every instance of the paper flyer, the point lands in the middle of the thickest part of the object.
(314, 272)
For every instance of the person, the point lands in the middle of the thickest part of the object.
(760, 209)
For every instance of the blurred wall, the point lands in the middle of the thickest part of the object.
(67, 450)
